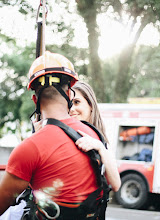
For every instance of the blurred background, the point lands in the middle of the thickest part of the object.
(114, 46)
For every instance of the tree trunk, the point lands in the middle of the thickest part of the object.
(95, 70)
(122, 85)
(88, 11)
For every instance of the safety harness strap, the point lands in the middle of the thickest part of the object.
(39, 39)
(74, 135)
(97, 131)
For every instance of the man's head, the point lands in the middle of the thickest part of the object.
(51, 75)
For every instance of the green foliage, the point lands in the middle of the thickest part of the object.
(16, 105)
(110, 68)
(14, 67)
(27, 106)
(145, 73)
(24, 6)
(79, 57)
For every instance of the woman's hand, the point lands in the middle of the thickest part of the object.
(87, 143)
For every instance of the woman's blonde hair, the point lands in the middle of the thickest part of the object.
(87, 92)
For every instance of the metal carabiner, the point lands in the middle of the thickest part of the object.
(54, 205)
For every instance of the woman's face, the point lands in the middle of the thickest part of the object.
(80, 109)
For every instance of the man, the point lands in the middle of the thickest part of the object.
(49, 160)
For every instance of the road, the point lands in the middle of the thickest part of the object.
(117, 213)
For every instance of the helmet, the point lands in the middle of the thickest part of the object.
(50, 63)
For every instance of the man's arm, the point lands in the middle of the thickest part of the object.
(10, 187)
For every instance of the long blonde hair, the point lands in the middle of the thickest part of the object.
(87, 92)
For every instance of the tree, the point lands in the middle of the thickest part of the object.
(139, 14)
(147, 81)
(89, 10)
(13, 86)
(16, 104)
(113, 80)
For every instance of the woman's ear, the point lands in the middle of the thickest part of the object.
(34, 98)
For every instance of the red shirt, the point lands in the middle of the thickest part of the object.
(51, 162)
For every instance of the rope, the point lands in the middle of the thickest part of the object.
(39, 39)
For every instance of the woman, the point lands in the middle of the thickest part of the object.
(85, 108)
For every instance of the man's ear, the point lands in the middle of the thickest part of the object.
(34, 98)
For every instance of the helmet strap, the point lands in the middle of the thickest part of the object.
(74, 93)
(37, 110)
(61, 91)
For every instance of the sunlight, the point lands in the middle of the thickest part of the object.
(150, 36)
(114, 37)
(111, 41)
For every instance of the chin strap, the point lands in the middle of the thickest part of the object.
(61, 91)
(37, 110)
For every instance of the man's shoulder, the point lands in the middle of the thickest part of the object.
(78, 125)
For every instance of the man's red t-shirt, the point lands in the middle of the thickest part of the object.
(52, 163)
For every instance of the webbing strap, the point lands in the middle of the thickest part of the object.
(74, 135)
(39, 39)
(96, 130)
(61, 91)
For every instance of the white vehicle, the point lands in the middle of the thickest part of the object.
(133, 131)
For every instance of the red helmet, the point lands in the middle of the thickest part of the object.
(51, 63)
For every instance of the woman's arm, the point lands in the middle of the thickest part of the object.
(87, 143)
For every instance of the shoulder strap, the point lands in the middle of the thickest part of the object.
(96, 130)
(74, 135)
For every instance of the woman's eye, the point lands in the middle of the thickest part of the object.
(76, 102)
